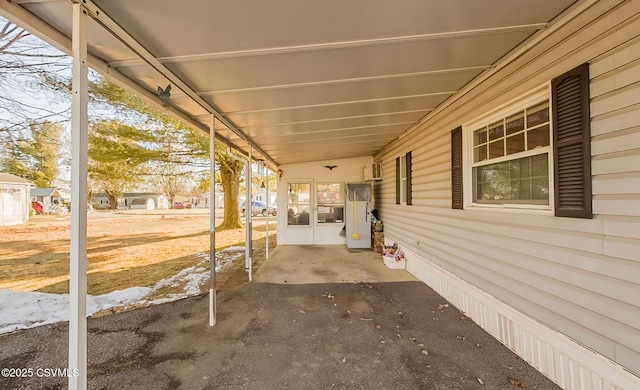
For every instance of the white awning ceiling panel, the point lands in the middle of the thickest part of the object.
(230, 26)
(303, 80)
(389, 105)
(386, 59)
(342, 92)
(324, 128)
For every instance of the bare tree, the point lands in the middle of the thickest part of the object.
(33, 81)
(170, 182)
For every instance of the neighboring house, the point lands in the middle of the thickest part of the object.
(49, 197)
(100, 201)
(14, 199)
(202, 201)
(65, 195)
(262, 197)
(133, 200)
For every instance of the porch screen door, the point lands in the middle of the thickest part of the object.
(299, 215)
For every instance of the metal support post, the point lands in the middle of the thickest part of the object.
(248, 218)
(212, 222)
(78, 244)
(266, 190)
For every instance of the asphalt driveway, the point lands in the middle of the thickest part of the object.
(395, 335)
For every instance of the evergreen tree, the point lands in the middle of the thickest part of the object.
(184, 152)
(118, 154)
(119, 161)
(36, 156)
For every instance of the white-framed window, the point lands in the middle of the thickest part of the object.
(499, 159)
(330, 203)
(298, 203)
(403, 179)
(510, 160)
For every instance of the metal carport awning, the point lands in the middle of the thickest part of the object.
(240, 142)
(79, 132)
(142, 53)
(294, 81)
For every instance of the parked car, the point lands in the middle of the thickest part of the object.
(178, 205)
(258, 208)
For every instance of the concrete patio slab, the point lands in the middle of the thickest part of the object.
(304, 264)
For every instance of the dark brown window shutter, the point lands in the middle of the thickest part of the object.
(456, 169)
(398, 180)
(408, 167)
(572, 143)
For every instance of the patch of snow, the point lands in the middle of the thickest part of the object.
(193, 277)
(234, 249)
(23, 310)
(116, 298)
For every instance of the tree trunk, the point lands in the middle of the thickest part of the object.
(113, 201)
(230, 185)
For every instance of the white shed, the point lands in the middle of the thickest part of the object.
(144, 200)
(14, 199)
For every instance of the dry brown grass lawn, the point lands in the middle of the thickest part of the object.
(124, 249)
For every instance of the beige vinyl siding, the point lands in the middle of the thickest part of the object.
(616, 140)
(580, 277)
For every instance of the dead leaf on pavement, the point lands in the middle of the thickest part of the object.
(516, 382)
